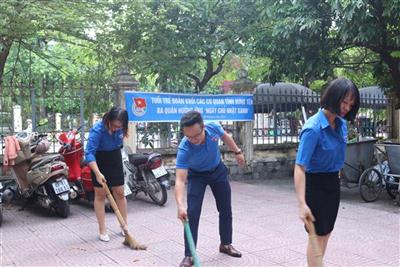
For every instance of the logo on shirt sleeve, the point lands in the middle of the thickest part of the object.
(139, 106)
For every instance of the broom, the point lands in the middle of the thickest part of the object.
(312, 238)
(129, 240)
(192, 247)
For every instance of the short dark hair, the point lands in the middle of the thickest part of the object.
(117, 114)
(191, 118)
(335, 93)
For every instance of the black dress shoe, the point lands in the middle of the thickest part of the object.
(230, 250)
(186, 262)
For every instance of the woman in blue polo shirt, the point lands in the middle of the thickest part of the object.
(321, 155)
(103, 155)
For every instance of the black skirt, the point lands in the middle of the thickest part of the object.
(110, 165)
(323, 197)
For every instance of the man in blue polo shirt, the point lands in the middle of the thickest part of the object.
(199, 162)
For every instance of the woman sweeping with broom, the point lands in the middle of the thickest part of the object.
(319, 158)
(103, 155)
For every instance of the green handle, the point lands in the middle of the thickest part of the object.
(192, 247)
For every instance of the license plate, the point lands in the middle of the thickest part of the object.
(61, 186)
(160, 171)
(127, 190)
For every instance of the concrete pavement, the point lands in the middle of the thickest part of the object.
(266, 230)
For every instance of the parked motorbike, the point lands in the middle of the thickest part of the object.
(79, 176)
(146, 173)
(6, 194)
(40, 178)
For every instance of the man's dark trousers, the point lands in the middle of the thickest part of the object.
(218, 181)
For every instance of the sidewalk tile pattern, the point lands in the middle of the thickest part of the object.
(266, 230)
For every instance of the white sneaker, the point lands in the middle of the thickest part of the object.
(122, 233)
(104, 238)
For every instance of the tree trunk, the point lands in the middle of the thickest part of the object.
(393, 64)
(209, 73)
(395, 72)
(394, 117)
(396, 124)
(5, 50)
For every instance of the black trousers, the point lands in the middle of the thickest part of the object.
(218, 181)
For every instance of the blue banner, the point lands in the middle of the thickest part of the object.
(165, 107)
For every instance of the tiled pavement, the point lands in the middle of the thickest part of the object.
(266, 230)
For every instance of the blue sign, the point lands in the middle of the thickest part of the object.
(165, 107)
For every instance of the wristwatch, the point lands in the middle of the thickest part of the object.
(238, 152)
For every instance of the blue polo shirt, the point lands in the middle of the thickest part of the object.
(101, 140)
(203, 157)
(321, 148)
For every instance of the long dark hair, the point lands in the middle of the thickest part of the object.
(336, 92)
(117, 114)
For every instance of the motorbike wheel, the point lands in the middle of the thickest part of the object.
(370, 184)
(159, 197)
(159, 200)
(61, 208)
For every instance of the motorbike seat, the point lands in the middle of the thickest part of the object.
(138, 159)
(40, 161)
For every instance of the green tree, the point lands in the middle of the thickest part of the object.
(24, 23)
(308, 39)
(374, 25)
(358, 66)
(185, 41)
(294, 35)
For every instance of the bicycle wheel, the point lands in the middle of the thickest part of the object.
(370, 184)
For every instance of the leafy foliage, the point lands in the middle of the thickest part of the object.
(31, 25)
(308, 40)
(52, 48)
(186, 42)
(194, 45)
(374, 25)
(294, 35)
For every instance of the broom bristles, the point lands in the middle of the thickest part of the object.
(132, 243)
(129, 240)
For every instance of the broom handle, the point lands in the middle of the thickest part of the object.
(114, 206)
(312, 237)
(192, 247)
